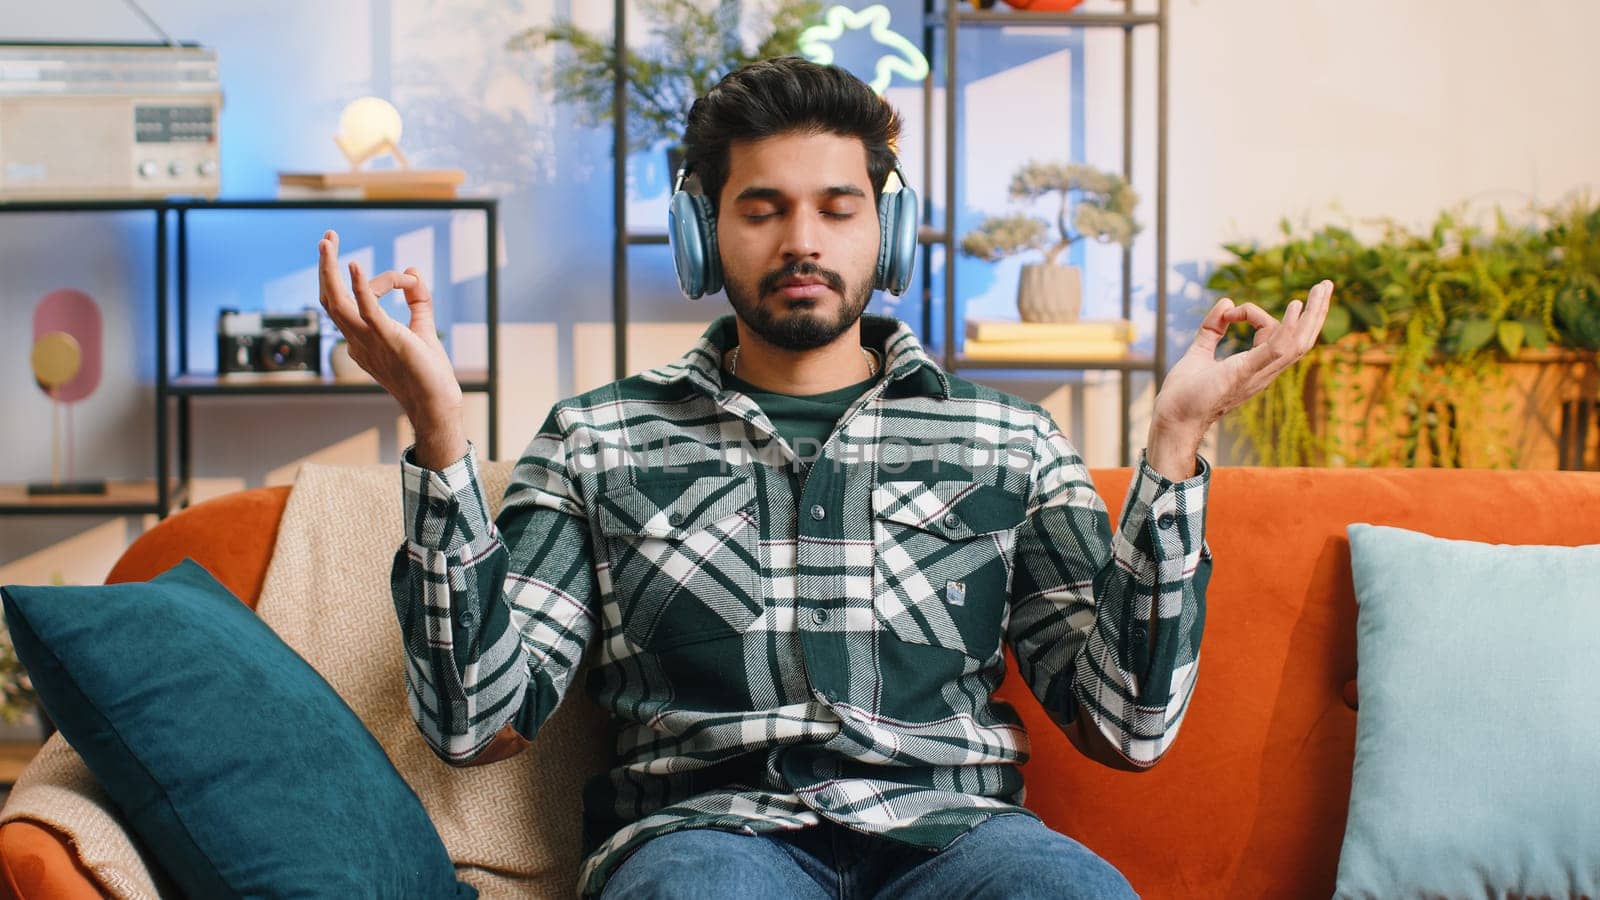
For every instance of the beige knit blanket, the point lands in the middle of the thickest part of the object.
(513, 828)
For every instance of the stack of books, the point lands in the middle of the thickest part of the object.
(1010, 340)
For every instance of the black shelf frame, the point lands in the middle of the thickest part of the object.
(1074, 18)
(951, 20)
(173, 489)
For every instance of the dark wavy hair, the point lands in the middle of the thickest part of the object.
(787, 95)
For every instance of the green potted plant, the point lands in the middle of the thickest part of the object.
(696, 44)
(1457, 346)
(17, 697)
(1049, 292)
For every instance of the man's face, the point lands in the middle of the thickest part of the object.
(798, 206)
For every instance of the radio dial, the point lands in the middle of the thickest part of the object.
(148, 169)
(176, 168)
(208, 168)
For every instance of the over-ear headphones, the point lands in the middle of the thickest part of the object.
(692, 232)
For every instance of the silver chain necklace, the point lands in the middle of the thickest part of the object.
(872, 361)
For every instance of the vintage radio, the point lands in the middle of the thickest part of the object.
(108, 121)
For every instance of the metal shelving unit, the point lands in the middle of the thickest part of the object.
(169, 490)
(949, 22)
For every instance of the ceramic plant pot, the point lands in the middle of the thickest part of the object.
(1050, 293)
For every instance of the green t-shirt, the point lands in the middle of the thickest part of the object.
(809, 418)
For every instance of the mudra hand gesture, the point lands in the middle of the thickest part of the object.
(1201, 389)
(407, 360)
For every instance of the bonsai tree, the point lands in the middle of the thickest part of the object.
(696, 44)
(1104, 212)
(1049, 292)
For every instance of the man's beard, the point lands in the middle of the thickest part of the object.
(797, 329)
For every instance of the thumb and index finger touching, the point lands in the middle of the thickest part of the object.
(366, 293)
(1225, 313)
(420, 300)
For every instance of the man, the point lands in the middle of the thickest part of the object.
(799, 649)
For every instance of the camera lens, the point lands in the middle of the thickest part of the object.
(281, 348)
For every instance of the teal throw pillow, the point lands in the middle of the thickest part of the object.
(225, 753)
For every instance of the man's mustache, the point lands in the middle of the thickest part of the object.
(770, 281)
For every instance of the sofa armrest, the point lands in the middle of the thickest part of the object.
(232, 536)
(35, 861)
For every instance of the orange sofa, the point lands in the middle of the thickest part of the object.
(1251, 800)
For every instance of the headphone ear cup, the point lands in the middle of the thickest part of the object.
(707, 220)
(688, 251)
(693, 235)
(897, 240)
(886, 226)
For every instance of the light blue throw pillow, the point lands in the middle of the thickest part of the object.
(1477, 763)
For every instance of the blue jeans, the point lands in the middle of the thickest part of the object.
(1007, 856)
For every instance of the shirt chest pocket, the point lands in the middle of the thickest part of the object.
(684, 557)
(944, 555)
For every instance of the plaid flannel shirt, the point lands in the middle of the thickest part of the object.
(779, 643)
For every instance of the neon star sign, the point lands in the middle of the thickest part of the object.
(816, 44)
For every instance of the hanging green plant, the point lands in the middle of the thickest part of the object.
(1437, 314)
(696, 42)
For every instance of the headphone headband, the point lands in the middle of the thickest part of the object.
(683, 174)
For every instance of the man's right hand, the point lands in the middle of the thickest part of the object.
(406, 360)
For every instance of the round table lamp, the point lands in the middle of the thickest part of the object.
(369, 126)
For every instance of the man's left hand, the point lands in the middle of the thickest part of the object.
(1201, 389)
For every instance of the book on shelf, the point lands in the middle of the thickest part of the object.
(301, 192)
(1085, 349)
(384, 184)
(1081, 330)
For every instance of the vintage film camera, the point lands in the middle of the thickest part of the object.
(259, 344)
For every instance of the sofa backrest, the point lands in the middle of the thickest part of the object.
(232, 536)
